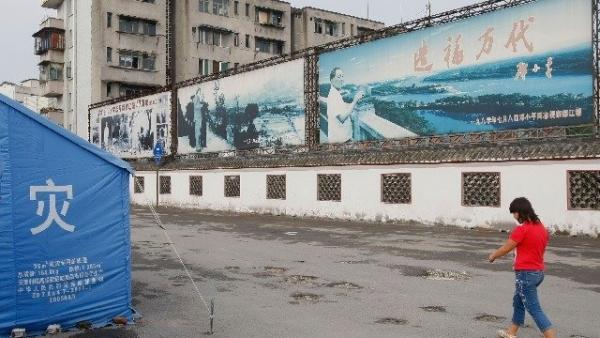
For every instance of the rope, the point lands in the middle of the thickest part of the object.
(172, 244)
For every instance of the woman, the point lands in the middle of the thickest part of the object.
(529, 239)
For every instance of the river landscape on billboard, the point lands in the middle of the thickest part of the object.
(529, 66)
(262, 108)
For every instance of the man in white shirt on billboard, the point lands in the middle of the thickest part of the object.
(339, 112)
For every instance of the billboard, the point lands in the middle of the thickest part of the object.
(261, 108)
(130, 129)
(528, 66)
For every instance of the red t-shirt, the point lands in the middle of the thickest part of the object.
(531, 239)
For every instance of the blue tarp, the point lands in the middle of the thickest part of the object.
(64, 226)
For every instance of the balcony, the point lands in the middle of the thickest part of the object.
(49, 38)
(51, 3)
(53, 23)
(269, 17)
(51, 88)
(52, 56)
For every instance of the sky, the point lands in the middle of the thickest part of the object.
(19, 19)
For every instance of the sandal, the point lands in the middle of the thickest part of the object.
(504, 334)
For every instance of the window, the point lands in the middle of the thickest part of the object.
(276, 187)
(269, 17)
(351, 29)
(247, 41)
(165, 185)
(108, 89)
(329, 187)
(138, 184)
(69, 70)
(196, 185)
(262, 45)
(232, 186)
(204, 67)
(130, 90)
(223, 66)
(481, 189)
(278, 47)
(584, 190)
(269, 46)
(343, 28)
(148, 61)
(330, 28)
(51, 72)
(137, 26)
(236, 7)
(137, 60)
(236, 39)
(247, 9)
(318, 26)
(220, 7)
(236, 65)
(108, 54)
(396, 188)
(109, 19)
(204, 6)
(149, 28)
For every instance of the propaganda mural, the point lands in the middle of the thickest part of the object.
(528, 66)
(261, 108)
(130, 129)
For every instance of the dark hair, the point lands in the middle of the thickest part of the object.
(332, 74)
(522, 206)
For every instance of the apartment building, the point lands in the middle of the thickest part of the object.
(214, 35)
(28, 92)
(313, 26)
(96, 50)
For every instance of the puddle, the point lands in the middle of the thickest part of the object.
(577, 336)
(275, 270)
(391, 321)
(432, 274)
(232, 268)
(343, 285)
(484, 317)
(303, 297)
(434, 308)
(356, 262)
(300, 279)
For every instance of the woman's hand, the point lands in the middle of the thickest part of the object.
(492, 257)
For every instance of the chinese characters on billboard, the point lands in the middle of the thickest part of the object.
(130, 129)
(529, 66)
(262, 108)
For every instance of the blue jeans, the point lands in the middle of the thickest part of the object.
(526, 298)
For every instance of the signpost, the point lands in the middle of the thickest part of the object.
(158, 154)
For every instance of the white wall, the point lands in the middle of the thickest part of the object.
(436, 194)
(82, 64)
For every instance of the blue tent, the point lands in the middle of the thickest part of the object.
(64, 226)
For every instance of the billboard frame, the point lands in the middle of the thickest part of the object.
(313, 148)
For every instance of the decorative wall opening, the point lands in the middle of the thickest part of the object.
(396, 188)
(276, 187)
(329, 187)
(481, 189)
(232, 186)
(138, 185)
(165, 185)
(196, 185)
(584, 190)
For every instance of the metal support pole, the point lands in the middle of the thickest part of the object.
(212, 315)
(157, 185)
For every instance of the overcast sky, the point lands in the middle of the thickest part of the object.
(19, 19)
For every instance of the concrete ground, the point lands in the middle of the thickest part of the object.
(290, 277)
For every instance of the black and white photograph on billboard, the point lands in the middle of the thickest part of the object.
(258, 109)
(130, 129)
